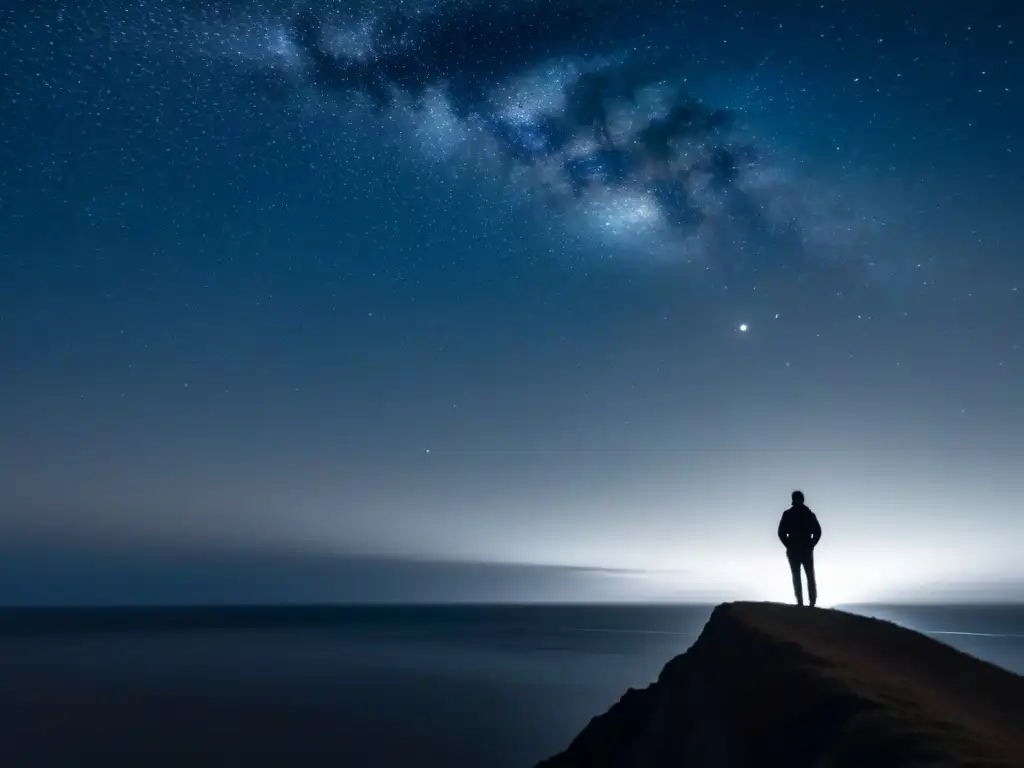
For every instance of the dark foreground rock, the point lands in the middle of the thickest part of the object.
(787, 687)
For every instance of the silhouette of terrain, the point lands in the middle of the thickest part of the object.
(775, 685)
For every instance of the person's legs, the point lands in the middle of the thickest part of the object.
(798, 587)
(812, 584)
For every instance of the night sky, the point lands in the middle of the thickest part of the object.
(463, 299)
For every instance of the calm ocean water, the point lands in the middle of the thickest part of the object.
(413, 686)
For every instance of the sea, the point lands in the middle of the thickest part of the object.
(496, 686)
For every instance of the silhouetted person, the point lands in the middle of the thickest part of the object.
(800, 532)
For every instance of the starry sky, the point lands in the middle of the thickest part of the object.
(523, 300)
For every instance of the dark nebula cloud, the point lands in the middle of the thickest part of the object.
(468, 48)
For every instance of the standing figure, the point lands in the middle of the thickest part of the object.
(800, 532)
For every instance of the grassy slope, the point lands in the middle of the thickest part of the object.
(768, 684)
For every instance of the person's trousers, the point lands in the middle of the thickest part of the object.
(805, 559)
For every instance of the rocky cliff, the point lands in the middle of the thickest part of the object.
(787, 687)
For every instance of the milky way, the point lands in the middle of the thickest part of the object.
(582, 109)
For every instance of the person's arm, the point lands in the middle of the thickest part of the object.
(783, 530)
(815, 528)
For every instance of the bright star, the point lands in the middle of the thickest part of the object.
(743, 326)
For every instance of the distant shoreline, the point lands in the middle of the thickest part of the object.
(235, 616)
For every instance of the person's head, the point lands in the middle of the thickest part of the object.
(798, 498)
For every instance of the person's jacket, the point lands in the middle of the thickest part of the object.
(799, 529)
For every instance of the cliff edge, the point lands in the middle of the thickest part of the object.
(775, 685)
